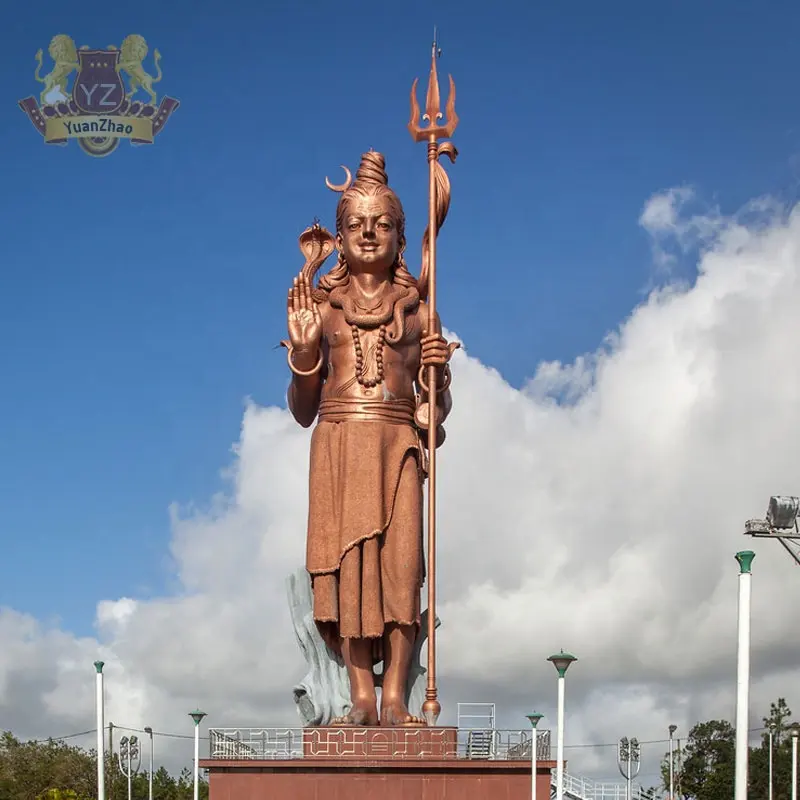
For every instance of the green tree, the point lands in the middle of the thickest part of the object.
(707, 767)
(28, 770)
(57, 771)
(778, 721)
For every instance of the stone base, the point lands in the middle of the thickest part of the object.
(369, 743)
(398, 778)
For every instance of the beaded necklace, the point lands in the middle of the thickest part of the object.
(368, 383)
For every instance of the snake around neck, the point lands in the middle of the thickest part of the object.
(393, 305)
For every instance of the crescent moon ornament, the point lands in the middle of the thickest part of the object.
(341, 187)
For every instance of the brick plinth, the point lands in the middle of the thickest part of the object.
(351, 778)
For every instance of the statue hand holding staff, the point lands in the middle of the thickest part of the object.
(436, 350)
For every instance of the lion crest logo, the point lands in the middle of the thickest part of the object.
(98, 110)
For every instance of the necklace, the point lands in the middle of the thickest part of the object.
(369, 308)
(368, 383)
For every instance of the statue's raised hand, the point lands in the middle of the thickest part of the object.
(305, 325)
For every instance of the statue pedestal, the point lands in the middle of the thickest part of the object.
(356, 763)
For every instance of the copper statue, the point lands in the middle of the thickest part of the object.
(368, 360)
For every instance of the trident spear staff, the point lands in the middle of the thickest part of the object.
(438, 127)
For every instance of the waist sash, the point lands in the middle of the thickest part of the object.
(398, 412)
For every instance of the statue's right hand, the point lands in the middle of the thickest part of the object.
(305, 324)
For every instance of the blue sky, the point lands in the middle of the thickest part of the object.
(141, 294)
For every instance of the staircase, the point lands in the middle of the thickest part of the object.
(480, 744)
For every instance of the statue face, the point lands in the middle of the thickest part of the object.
(369, 238)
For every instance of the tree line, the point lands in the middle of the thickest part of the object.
(54, 770)
(705, 766)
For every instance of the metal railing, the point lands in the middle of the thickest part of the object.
(293, 743)
(585, 789)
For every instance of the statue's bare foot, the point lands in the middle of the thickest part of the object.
(360, 715)
(395, 714)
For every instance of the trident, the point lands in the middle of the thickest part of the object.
(438, 205)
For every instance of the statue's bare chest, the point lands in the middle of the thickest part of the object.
(343, 338)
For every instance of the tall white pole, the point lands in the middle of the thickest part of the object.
(671, 763)
(197, 717)
(149, 732)
(745, 559)
(101, 749)
(560, 740)
(770, 764)
(534, 720)
(196, 762)
(150, 784)
(628, 776)
(561, 662)
(794, 763)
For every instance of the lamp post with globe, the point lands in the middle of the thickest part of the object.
(534, 717)
(197, 717)
(561, 662)
(745, 560)
(149, 731)
(672, 729)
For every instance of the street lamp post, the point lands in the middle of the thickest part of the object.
(534, 718)
(770, 732)
(628, 761)
(149, 732)
(561, 662)
(745, 559)
(672, 729)
(795, 732)
(129, 759)
(781, 523)
(197, 716)
(101, 744)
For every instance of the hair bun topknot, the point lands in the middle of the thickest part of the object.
(372, 169)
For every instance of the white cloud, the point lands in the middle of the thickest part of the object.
(597, 509)
(661, 213)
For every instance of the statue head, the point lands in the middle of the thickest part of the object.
(370, 227)
(368, 200)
